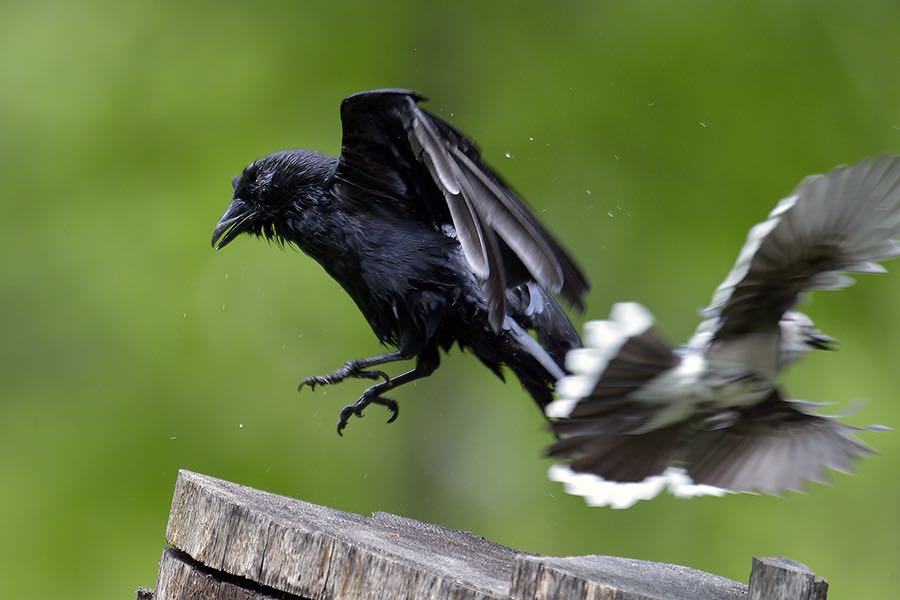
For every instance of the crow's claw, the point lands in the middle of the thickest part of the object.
(358, 407)
(391, 406)
(311, 383)
(346, 412)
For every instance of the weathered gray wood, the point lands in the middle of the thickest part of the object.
(612, 578)
(236, 540)
(322, 553)
(784, 579)
(179, 579)
(144, 594)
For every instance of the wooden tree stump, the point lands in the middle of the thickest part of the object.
(237, 543)
(785, 578)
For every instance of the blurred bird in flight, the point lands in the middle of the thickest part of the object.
(430, 243)
(636, 416)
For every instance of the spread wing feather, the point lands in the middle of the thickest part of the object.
(413, 161)
(773, 446)
(844, 221)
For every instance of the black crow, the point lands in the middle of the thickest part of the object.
(637, 417)
(430, 243)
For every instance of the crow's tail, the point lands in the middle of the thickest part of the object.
(538, 363)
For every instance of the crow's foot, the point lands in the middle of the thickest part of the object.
(350, 369)
(357, 409)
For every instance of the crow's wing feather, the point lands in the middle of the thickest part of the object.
(408, 159)
(844, 221)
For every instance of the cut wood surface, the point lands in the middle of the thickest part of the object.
(318, 552)
(230, 541)
(782, 578)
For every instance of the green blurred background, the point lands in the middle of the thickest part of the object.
(649, 136)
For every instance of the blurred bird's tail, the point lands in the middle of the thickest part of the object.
(602, 429)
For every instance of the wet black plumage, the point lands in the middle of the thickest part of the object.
(432, 245)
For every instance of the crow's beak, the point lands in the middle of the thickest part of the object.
(820, 341)
(236, 220)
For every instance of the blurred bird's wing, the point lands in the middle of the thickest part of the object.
(772, 447)
(768, 448)
(844, 221)
(405, 158)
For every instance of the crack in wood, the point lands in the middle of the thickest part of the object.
(187, 571)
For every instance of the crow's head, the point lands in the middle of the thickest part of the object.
(799, 335)
(268, 191)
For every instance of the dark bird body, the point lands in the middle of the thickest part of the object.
(432, 246)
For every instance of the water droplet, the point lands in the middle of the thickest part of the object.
(616, 156)
(530, 139)
(651, 104)
(588, 192)
(610, 215)
(702, 124)
(508, 154)
(240, 425)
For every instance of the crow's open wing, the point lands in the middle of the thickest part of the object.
(844, 221)
(400, 157)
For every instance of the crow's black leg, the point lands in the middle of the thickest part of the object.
(425, 366)
(358, 369)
